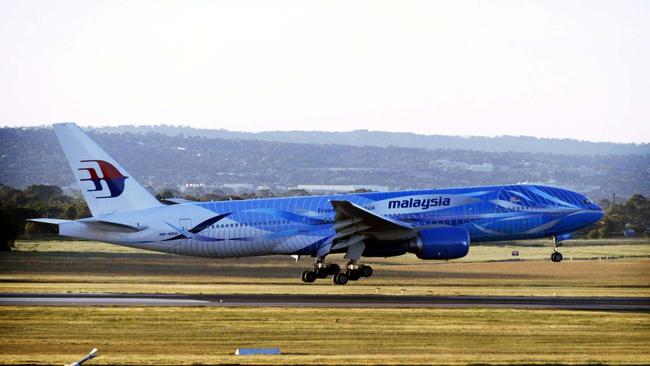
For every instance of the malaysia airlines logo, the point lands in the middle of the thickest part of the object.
(423, 203)
(109, 174)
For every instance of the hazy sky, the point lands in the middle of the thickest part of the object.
(578, 69)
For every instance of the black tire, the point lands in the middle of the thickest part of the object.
(366, 271)
(333, 268)
(556, 257)
(308, 276)
(353, 274)
(322, 272)
(340, 278)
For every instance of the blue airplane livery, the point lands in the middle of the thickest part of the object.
(431, 223)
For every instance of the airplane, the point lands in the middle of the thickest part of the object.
(434, 224)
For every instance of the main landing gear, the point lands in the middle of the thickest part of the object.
(353, 272)
(556, 256)
(320, 271)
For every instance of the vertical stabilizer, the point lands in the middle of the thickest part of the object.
(106, 186)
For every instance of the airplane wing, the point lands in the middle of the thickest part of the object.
(346, 210)
(354, 223)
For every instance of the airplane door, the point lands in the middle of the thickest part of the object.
(185, 224)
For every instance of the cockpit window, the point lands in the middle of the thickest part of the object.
(587, 201)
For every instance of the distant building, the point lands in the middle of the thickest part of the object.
(336, 188)
(485, 167)
(239, 187)
(448, 164)
(191, 186)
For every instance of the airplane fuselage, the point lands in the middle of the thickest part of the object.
(305, 225)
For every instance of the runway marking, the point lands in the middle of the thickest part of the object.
(99, 301)
(330, 301)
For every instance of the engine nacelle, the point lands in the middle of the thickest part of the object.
(447, 242)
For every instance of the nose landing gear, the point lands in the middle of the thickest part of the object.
(556, 256)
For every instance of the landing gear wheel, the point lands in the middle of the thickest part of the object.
(556, 257)
(366, 271)
(333, 268)
(321, 272)
(340, 278)
(308, 276)
(353, 274)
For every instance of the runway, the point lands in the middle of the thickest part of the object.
(332, 301)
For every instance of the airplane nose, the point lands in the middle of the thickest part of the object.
(596, 214)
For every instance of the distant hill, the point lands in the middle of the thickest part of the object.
(33, 156)
(400, 139)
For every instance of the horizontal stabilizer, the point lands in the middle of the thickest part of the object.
(105, 225)
(49, 221)
(176, 201)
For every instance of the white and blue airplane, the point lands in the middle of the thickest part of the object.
(432, 223)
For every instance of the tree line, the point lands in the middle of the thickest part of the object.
(16, 206)
(30, 156)
(631, 216)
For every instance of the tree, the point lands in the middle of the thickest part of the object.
(9, 229)
(633, 214)
(637, 213)
(167, 193)
(297, 192)
(35, 228)
(70, 213)
(43, 192)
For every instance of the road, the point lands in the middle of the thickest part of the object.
(318, 301)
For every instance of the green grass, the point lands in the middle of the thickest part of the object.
(185, 336)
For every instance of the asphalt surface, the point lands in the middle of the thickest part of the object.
(334, 301)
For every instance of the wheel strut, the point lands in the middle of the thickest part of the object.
(556, 256)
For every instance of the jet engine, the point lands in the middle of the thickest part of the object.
(448, 242)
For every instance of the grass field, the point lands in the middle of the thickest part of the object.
(590, 269)
(186, 336)
(206, 335)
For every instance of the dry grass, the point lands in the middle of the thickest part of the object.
(95, 267)
(197, 335)
(529, 250)
(185, 336)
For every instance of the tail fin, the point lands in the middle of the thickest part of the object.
(106, 186)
